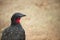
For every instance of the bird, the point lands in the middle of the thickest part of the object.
(15, 30)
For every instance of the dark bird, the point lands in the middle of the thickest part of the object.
(15, 30)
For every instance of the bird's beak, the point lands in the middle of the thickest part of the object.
(23, 15)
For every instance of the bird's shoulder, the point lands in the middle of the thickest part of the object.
(12, 30)
(6, 31)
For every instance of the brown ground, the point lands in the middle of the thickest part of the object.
(42, 21)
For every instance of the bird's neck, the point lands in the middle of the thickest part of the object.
(16, 26)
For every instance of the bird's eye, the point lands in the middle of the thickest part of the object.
(18, 18)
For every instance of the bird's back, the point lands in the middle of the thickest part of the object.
(13, 33)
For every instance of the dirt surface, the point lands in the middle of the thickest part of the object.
(42, 21)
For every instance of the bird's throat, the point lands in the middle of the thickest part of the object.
(17, 21)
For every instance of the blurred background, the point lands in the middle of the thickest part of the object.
(42, 21)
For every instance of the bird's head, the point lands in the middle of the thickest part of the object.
(15, 19)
